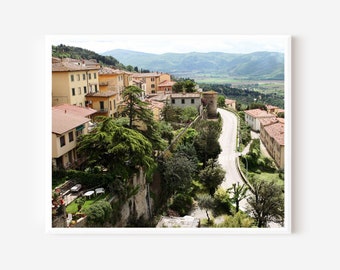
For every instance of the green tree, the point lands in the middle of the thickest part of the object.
(189, 114)
(98, 213)
(135, 109)
(140, 116)
(206, 202)
(206, 142)
(212, 176)
(239, 220)
(178, 171)
(184, 85)
(239, 193)
(116, 148)
(129, 68)
(267, 203)
(221, 101)
(166, 131)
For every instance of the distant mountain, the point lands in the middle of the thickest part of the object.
(255, 66)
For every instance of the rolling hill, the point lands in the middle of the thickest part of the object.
(252, 66)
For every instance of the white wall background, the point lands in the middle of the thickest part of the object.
(315, 178)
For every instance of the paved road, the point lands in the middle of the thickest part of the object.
(227, 157)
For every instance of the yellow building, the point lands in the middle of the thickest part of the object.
(105, 103)
(112, 80)
(151, 80)
(68, 123)
(72, 79)
(272, 136)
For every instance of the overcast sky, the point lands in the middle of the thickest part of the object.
(174, 43)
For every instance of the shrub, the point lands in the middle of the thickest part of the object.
(182, 204)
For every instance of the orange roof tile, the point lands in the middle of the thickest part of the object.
(71, 66)
(257, 113)
(75, 110)
(276, 131)
(63, 121)
(166, 83)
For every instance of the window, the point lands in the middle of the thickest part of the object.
(62, 141)
(84, 89)
(152, 79)
(95, 88)
(95, 75)
(89, 76)
(173, 101)
(70, 136)
(79, 132)
(114, 104)
(110, 105)
(152, 86)
(73, 91)
(192, 101)
(183, 101)
(72, 78)
(84, 76)
(101, 103)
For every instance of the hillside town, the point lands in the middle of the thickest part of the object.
(83, 90)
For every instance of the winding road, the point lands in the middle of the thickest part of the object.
(227, 157)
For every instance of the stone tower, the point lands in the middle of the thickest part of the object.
(210, 101)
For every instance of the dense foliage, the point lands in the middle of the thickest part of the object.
(246, 96)
(64, 51)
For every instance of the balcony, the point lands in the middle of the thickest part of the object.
(103, 83)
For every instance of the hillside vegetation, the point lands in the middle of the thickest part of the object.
(64, 51)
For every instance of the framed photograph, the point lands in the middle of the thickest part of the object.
(168, 134)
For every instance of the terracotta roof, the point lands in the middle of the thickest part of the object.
(257, 113)
(63, 121)
(143, 75)
(155, 104)
(271, 107)
(75, 110)
(166, 83)
(101, 94)
(71, 66)
(276, 131)
(229, 101)
(268, 121)
(111, 71)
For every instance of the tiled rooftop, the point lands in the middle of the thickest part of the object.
(110, 71)
(65, 120)
(71, 66)
(75, 110)
(276, 131)
(166, 83)
(257, 113)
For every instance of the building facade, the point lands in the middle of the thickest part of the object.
(272, 136)
(183, 100)
(68, 123)
(252, 117)
(72, 80)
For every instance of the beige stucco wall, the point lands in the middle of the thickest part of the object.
(62, 86)
(58, 151)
